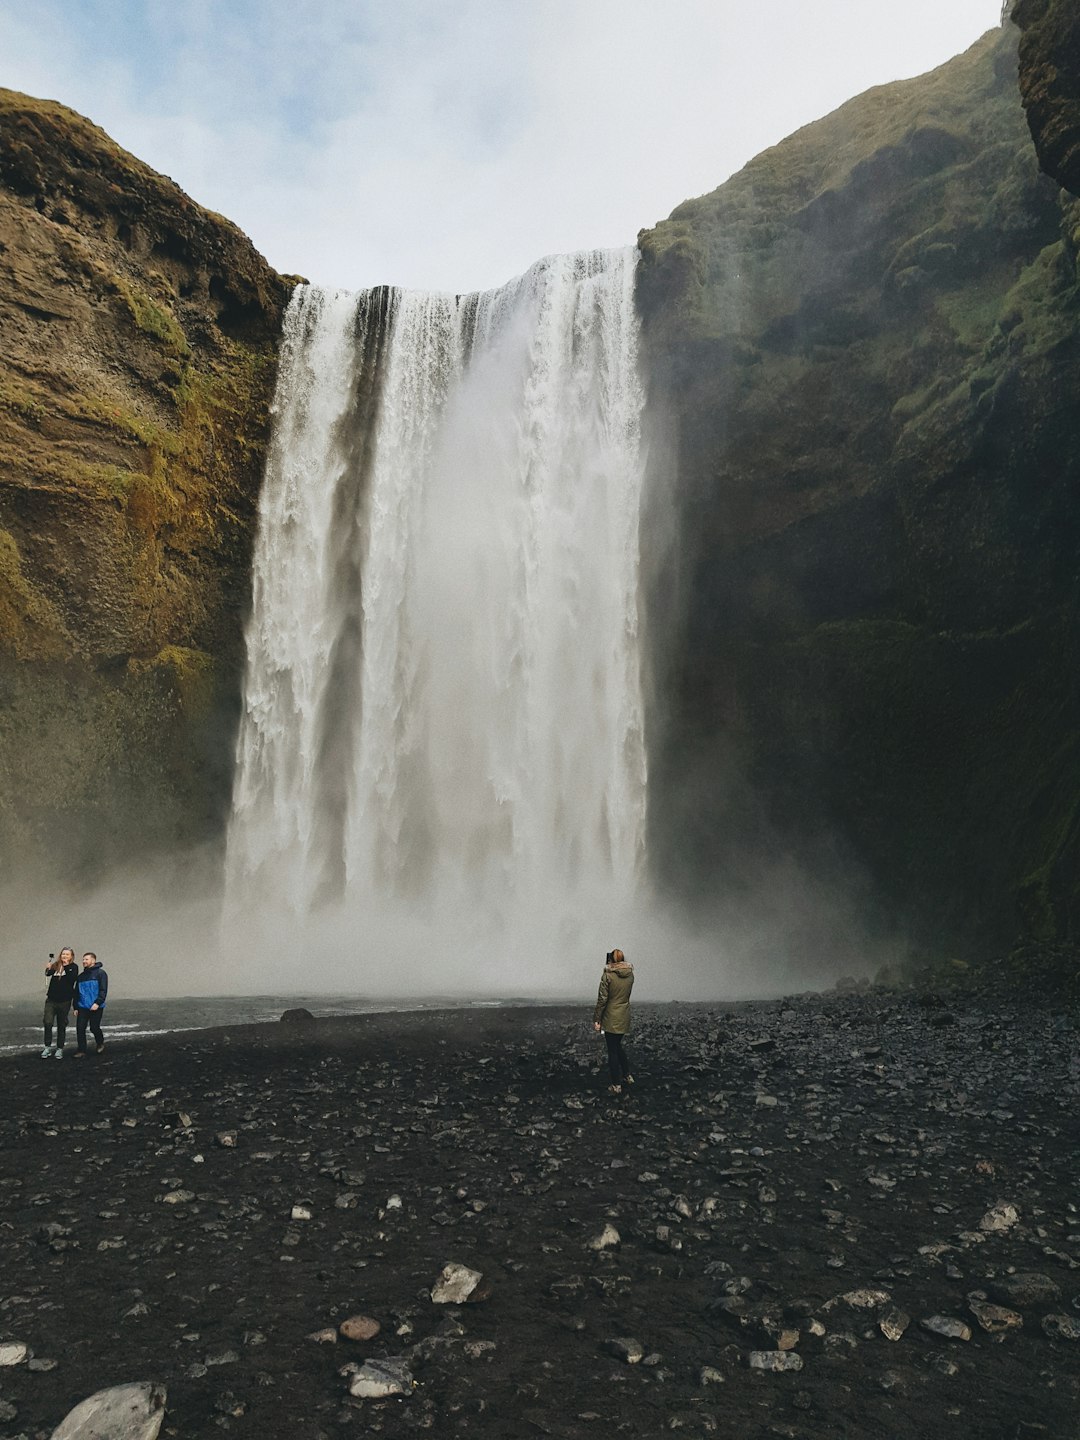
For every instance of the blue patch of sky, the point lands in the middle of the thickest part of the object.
(298, 63)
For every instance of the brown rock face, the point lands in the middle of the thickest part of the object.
(865, 350)
(137, 369)
(1050, 83)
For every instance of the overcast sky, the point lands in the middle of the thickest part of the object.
(446, 144)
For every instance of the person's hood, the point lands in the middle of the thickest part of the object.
(623, 968)
(89, 969)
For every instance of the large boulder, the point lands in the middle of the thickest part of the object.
(123, 1412)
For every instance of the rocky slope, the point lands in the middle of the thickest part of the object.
(135, 383)
(865, 350)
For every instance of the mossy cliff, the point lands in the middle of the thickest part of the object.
(136, 376)
(865, 352)
(1050, 83)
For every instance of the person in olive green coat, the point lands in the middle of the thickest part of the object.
(612, 1015)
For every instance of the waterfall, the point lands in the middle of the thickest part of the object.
(442, 737)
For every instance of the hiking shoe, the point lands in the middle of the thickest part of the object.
(46, 1052)
(59, 1055)
(99, 1050)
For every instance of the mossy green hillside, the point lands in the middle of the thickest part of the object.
(866, 347)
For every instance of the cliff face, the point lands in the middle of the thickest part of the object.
(136, 376)
(1050, 83)
(866, 351)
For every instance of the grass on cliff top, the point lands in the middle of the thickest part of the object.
(732, 256)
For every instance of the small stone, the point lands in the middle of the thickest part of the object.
(777, 1361)
(177, 1197)
(1000, 1217)
(943, 1364)
(890, 1380)
(13, 1352)
(1026, 1287)
(995, 1319)
(606, 1240)
(455, 1284)
(300, 1212)
(625, 1349)
(948, 1327)
(474, 1349)
(326, 1336)
(378, 1378)
(7, 1411)
(123, 1412)
(359, 1327)
(225, 1140)
(42, 1366)
(223, 1357)
(1061, 1327)
(866, 1299)
(707, 1375)
(893, 1325)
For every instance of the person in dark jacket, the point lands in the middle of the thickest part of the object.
(91, 990)
(612, 1015)
(61, 975)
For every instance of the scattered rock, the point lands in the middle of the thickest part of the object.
(894, 1324)
(1026, 1287)
(13, 1352)
(298, 1016)
(994, 1319)
(606, 1240)
(326, 1336)
(627, 1350)
(948, 1327)
(359, 1327)
(123, 1412)
(1000, 1217)
(775, 1360)
(455, 1284)
(1061, 1327)
(377, 1379)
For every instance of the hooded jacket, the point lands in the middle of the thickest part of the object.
(91, 987)
(61, 984)
(612, 1011)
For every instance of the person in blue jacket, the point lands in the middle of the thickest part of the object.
(91, 990)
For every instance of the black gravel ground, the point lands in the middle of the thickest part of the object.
(770, 1161)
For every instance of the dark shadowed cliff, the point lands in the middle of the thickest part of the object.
(867, 348)
(1050, 83)
(135, 382)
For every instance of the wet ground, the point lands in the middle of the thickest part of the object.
(797, 1182)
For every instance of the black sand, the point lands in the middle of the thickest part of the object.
(786, 1153)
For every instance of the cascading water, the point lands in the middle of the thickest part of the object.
(442, 740)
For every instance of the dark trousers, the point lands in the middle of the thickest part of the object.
(93, 1019)
(618, 1065)
(54, 1010)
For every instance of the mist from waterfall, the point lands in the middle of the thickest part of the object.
(441, 774)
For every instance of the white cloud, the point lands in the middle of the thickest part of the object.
(448, 145)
